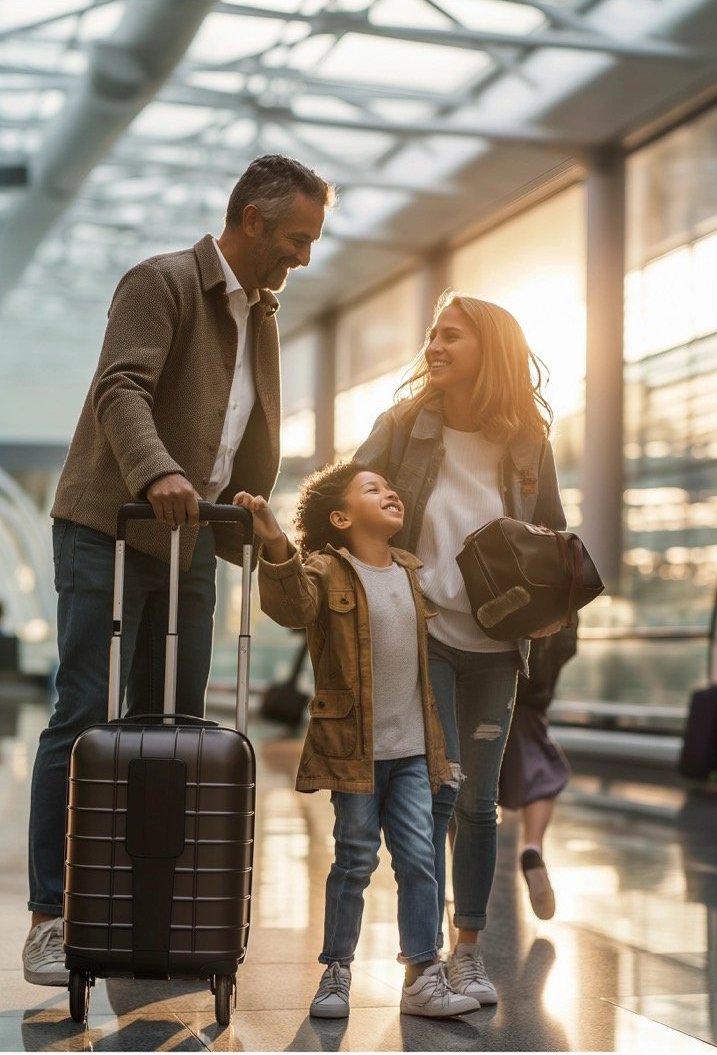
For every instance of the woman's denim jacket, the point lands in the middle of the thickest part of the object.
(527, 478)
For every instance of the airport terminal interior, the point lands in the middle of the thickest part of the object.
(556, 157)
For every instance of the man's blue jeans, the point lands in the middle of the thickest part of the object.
(400, 806)
(475, 693)
(84, 563)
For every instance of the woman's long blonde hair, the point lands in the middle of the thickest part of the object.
(507, 394)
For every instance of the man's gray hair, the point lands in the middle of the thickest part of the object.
(271, 183)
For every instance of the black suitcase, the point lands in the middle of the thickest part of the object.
(160, 825)
(698, 758)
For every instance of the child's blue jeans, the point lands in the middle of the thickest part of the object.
(400, 806)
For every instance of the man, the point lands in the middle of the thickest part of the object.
(185, 404)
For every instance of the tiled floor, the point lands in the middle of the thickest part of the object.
(629, 963)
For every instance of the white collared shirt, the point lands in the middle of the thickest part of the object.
(243, 390)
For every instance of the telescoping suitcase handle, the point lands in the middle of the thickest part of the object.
(207, 512)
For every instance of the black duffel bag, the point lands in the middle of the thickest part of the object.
(522, 577)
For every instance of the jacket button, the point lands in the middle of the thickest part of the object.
(344, 600)
(320, 703)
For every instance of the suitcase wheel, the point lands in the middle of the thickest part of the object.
(79, 985)
(224, 989)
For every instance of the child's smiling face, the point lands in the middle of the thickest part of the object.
(370, 505)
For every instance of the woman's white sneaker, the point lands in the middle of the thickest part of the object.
(432, 996)
(467, 974)
(43, 958)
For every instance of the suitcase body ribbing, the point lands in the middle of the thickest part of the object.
(160, 828)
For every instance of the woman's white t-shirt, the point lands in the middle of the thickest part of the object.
(466, 495)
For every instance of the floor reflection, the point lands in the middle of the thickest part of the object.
(628, 964)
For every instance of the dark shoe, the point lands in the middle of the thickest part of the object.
(542, 897)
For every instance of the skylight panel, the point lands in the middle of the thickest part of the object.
(18, 106)
(498, 16)
(415, 13)
(276, 5)
(348, 144)
(323, 106)
(223, 37)
(172, 120)
(399, 110)
(18, 13)
(308, 53)
(133, 187)
(217, 80)
(41, 55)
(100, 22)
(238, 134)
(403, 63)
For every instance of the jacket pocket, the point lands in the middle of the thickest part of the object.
(333, 728)
(342, 655)
(342, 600)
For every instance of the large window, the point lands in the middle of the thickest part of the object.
(671, 376)
(534, 266)
(376, 340)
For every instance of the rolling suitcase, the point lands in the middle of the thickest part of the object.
(698, 758)
(160, 824)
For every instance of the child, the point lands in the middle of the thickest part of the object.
(374, 737)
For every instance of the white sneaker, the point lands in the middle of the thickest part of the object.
(332, 996)
(432, 996)
(467, 974)
(43, 958)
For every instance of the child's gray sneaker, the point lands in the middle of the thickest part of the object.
(432, 996)
(43, 958)
(467, 974)
(332, 996)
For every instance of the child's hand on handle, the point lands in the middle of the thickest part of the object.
(276, 546)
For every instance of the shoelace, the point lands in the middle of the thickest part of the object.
(333, 983)
(443, 986)
(469, 968)
(43, 943)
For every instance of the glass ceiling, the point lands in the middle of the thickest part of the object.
(388, 98)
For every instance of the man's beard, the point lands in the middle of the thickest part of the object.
(272, 265)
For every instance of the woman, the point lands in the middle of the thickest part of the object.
(468, 444)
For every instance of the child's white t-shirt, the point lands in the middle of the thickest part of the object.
(397, 705)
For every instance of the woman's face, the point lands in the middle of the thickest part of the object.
(452, 354)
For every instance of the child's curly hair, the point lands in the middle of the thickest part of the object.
(320, 493)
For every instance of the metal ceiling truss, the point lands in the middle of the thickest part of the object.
(267, 98)
(341, 22)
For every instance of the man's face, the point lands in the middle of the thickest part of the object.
(287, 244)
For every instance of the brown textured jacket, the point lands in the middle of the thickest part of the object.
(159, 396)
(325, 595)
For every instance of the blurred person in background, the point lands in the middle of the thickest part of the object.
(534, 769)
(184, 405)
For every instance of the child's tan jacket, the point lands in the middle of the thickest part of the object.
(325, 595)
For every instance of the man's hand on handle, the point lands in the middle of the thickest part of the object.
(174, 500)
(266, 526)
